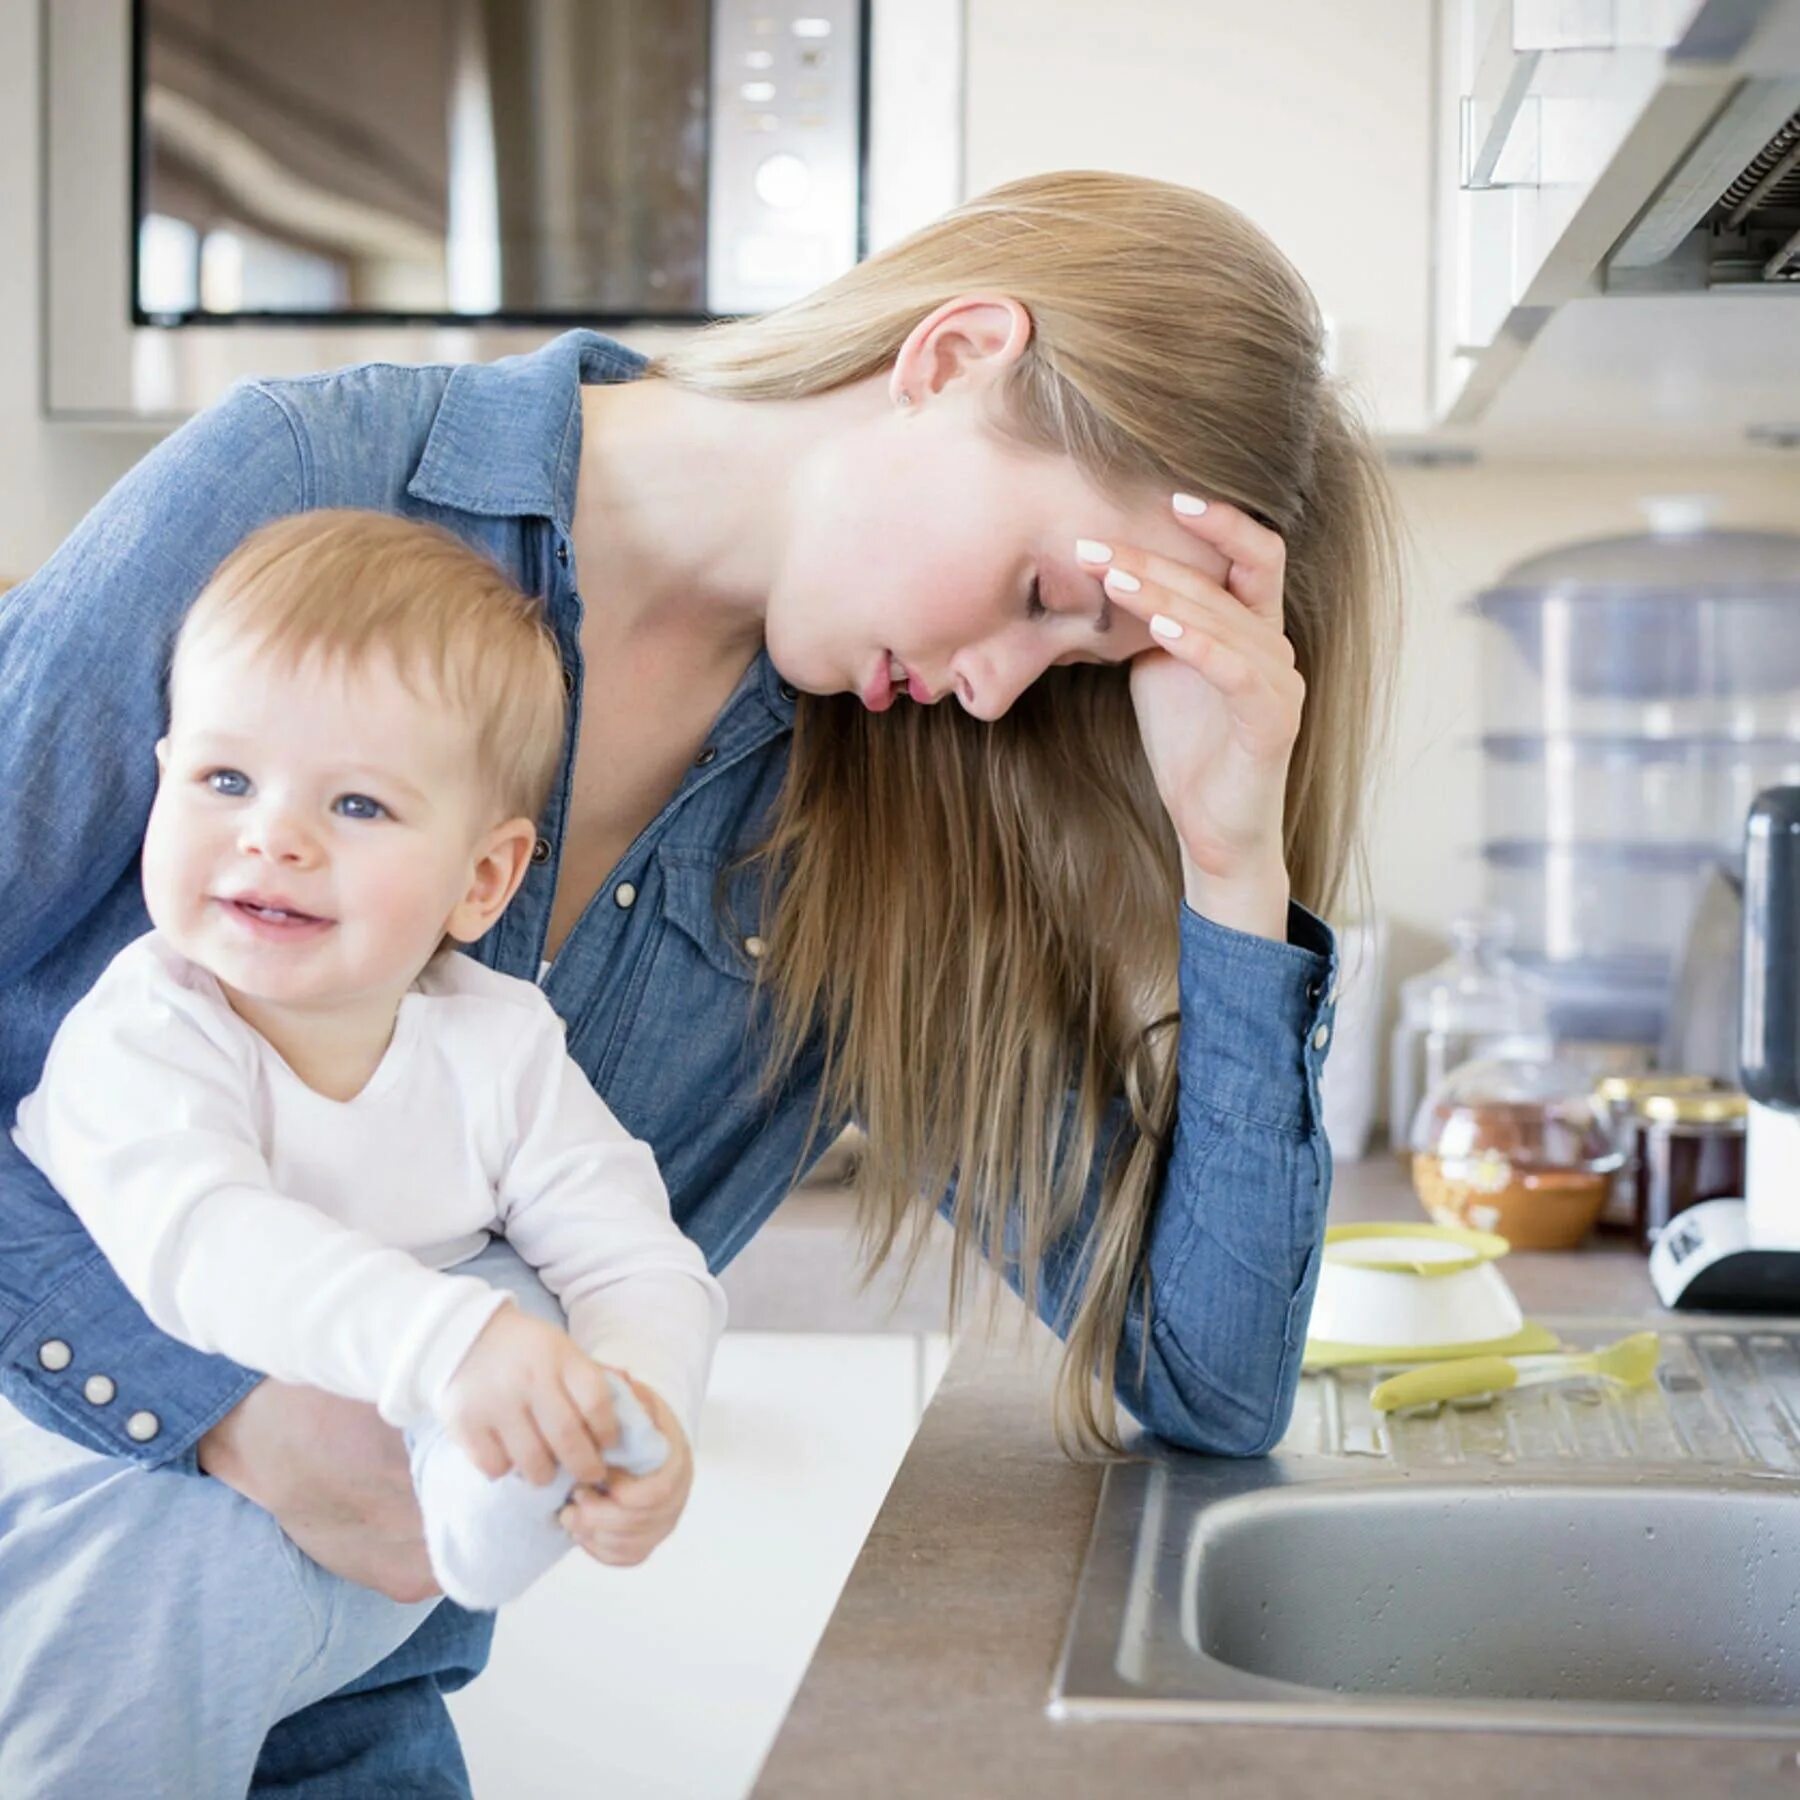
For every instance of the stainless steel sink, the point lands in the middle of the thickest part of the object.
(1568, 1558)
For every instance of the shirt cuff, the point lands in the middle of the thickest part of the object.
(88, 1365)
(1256, 1018)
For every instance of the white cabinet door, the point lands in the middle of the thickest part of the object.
(668, 1681)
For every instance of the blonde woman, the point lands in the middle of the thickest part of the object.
(974, 674)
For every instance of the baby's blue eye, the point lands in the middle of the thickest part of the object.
(232, 783)
(360, 806)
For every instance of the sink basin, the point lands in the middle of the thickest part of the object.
(1564, 1558)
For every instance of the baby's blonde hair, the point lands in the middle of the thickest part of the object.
(345, 585)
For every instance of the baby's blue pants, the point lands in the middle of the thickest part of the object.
(154, 1625)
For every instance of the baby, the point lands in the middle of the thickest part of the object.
(288, 1112)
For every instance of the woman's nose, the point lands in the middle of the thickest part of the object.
(990, 676)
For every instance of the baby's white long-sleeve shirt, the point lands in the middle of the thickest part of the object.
(312, 1239)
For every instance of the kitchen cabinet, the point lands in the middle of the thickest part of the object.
(1602, 276)
(1536, 100)
(669, 1681)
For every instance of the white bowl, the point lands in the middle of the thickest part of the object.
(1412, 1286)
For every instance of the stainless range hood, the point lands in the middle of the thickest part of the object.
(1729, 215)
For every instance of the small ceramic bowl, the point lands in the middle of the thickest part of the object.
(1412, 1287)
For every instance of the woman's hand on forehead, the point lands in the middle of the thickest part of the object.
(1219, 696)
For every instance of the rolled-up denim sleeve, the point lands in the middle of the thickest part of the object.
(1235, 1237)
(83, 650)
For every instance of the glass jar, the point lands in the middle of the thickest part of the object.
(1686, 1148)
(1522, 1148)
(1461, 1009)
(1621, 1095)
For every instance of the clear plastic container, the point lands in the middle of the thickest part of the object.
(1598, 901)
(1682, 631)
(1460, 1009)
(1523, 1148)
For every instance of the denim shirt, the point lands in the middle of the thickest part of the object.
(654, 980)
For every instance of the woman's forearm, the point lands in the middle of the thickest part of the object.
(1234, 1242)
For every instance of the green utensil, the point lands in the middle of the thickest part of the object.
(1630, 1362)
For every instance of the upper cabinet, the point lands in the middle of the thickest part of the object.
(1535, 226)
(1616, 222)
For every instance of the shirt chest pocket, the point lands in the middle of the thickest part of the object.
(692, 1040)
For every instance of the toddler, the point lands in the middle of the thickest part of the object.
(291, 1110)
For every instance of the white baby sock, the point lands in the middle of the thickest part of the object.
(490, 1540)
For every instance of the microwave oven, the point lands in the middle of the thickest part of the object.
(237, 190)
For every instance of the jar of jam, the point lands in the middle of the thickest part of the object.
(1622, 1216)
(1686, 1148)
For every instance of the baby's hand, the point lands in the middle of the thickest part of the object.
(527, 1398)
(634, 1513)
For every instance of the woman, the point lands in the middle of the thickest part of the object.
(1043, 929)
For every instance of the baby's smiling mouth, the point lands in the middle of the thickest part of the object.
(271, 911)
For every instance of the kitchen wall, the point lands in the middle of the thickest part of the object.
(49, 475)
(1326, 151)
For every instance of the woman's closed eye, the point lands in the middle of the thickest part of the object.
(1034, 606)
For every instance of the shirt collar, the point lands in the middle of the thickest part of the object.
(507, 437)
(507, 442)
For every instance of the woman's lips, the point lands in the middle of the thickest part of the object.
(878, 690)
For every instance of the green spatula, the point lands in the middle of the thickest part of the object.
(1630, 1362)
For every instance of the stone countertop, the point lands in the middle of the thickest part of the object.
(932, 1676)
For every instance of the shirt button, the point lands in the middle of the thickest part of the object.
(705, 757)
(754, 946)
(540, 851)
(141, 1427)
(562, 554)
(55, 1355)
(569, 682)
(624, 894)
(788, 692)
(98, 1390)
(1321, 1037)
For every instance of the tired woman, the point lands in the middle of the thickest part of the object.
(975, 669)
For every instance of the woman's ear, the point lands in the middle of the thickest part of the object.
(974, 338)
(501, 859)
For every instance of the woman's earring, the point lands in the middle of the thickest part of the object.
(905, 398)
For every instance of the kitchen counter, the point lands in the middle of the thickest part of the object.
(932, 1676)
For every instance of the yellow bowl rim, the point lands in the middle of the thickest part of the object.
(1484, 1246)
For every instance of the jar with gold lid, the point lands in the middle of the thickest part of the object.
(1686, 1148)
(1622, 1216)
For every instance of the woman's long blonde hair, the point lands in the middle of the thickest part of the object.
(980, 920)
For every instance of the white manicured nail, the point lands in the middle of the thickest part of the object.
(1190, 504)
(1163, 626)
(1117, 581)
(1090, 550)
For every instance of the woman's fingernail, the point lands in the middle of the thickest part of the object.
(1090, 550)
(1191, 504)
(1163, 626)
(1117, 581)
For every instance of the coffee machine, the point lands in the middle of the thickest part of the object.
(1744, 1255)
